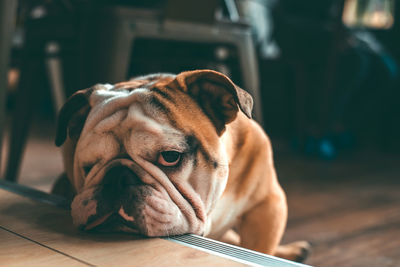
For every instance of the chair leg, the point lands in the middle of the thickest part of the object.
(120, 57)
(27, 96)
(250, 73)
(8, 11)
(109, 44)
(54, 73)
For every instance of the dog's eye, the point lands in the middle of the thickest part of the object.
(169, 158)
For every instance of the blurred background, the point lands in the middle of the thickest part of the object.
(324, 76)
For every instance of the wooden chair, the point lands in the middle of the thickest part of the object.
(112, 31)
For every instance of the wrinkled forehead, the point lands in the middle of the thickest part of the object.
(127, 98)
(151, 105)
(120, 109)
(134, 90)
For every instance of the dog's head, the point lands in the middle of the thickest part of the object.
(147, 154)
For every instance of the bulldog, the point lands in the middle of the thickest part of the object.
(167, 154)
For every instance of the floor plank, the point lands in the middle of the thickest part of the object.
(18, 251)
(374, 247)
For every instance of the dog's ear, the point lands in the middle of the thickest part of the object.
(72, 116)
(216, 94)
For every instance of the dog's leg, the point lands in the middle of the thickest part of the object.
(261, 229)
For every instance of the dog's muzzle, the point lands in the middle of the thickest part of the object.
(122, 198)
(117, 197)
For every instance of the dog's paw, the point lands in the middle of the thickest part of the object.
(304, 250)
(297, 251)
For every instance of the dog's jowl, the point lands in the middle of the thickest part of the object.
(171, 154)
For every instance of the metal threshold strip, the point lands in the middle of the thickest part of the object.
(211, 246)
(235, 253)
(34, 194)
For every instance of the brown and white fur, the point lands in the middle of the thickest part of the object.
(114, 138)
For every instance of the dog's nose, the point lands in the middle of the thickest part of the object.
(118, 179)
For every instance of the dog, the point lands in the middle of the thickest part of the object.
(168, 154)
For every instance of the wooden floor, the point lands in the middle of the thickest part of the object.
(349, 209)
(40, 234)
